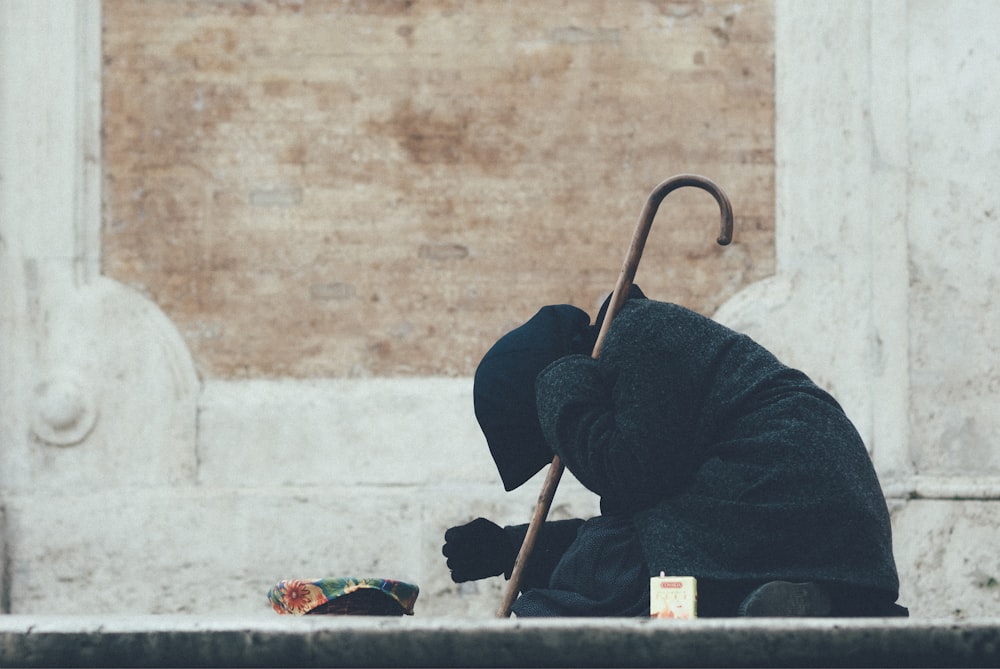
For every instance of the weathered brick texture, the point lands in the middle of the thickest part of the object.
(317, 189)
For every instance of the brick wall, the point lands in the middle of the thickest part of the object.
(314, 189)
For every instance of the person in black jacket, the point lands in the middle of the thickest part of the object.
(711, 458)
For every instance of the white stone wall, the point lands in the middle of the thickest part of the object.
(129, 485)
(886, 229)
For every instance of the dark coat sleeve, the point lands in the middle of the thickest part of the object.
(633, 425)
(589, 419)
(554, 538)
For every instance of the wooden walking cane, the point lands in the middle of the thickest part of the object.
(618, 297)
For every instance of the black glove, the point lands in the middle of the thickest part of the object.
(479, 549)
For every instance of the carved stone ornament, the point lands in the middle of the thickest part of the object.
(63, 411)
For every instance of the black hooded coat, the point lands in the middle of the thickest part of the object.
(730, 466)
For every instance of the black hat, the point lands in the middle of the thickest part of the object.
(504, 389)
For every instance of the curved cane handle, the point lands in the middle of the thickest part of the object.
(631, 264)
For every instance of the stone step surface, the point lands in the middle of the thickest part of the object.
(342, 641)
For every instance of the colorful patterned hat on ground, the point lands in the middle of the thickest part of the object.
(344, 596)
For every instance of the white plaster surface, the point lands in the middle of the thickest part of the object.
(175, 549)
(149, 490)
(954, 238)
(946, 552)
(374, 432)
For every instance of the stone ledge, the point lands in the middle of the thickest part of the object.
(193, 641)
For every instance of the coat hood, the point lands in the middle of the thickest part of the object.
(504, 385)
(504, 389)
